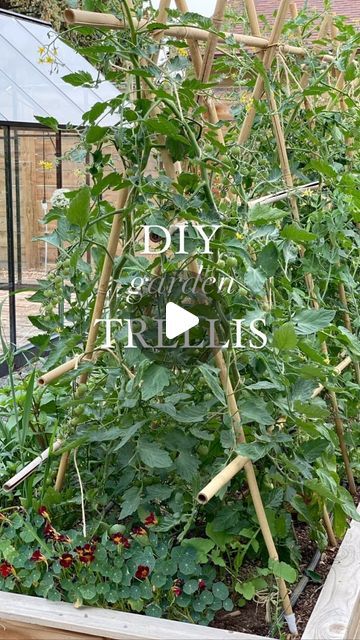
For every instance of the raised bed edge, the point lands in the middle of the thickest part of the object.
(99, 623)
(336, 615)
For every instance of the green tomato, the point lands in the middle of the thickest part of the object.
(221, 264)
(75, 421)
(66, 263)
(81, 390)
(79, 410)
(231, 262)
(203, 450)
(58, 280)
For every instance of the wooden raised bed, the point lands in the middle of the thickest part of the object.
(336, 615)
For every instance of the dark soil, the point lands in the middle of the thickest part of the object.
(252, 617)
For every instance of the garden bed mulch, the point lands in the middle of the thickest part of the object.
(251, 618)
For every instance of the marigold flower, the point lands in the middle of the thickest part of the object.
(201, 585)
(138, 530)
(37, 556)
(66, 560)
(142, 572)
(42, 511)
(6, 569)
(119, 538)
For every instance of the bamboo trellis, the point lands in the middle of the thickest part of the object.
(202, 58)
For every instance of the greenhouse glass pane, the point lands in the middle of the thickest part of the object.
(30, 87)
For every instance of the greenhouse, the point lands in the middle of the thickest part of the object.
(32, 62)
(180, 353)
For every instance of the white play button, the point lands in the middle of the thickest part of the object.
(178, 320)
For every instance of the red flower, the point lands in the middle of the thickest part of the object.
(119, 538)
(51, 534)
(66, 560)
(86, 553)
(142, 572)
(42, 511)
(177, 591)
(62, 537)
(138, 530)
(201, 585)
(6, 569)
(151, 519)
(37, 556)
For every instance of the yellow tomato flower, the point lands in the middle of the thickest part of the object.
(46, 164)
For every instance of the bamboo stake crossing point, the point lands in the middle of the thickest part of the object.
(221, 479)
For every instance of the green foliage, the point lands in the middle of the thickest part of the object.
(149, 434)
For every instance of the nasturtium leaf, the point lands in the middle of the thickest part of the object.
(228, 604)
(88, 591)
(153, 455)
(153, 610)
(310, 321)
(78, 209)
(155, 379)
(282, 570)
(296, 234)
(190, 586)
(220, 590)
(285, 337)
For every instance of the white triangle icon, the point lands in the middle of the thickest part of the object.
(178, 320)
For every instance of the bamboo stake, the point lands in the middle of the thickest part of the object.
(107, 20)
(54, 374)
(197, 62)
(98, 309)
(328, 527)
(19, 477)
(234, 414)
(282, 195)
(288, 179)
(212, 41)
(337, 370)
(267, 61)
(347, 321)
(253, 485)
(221, 479)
